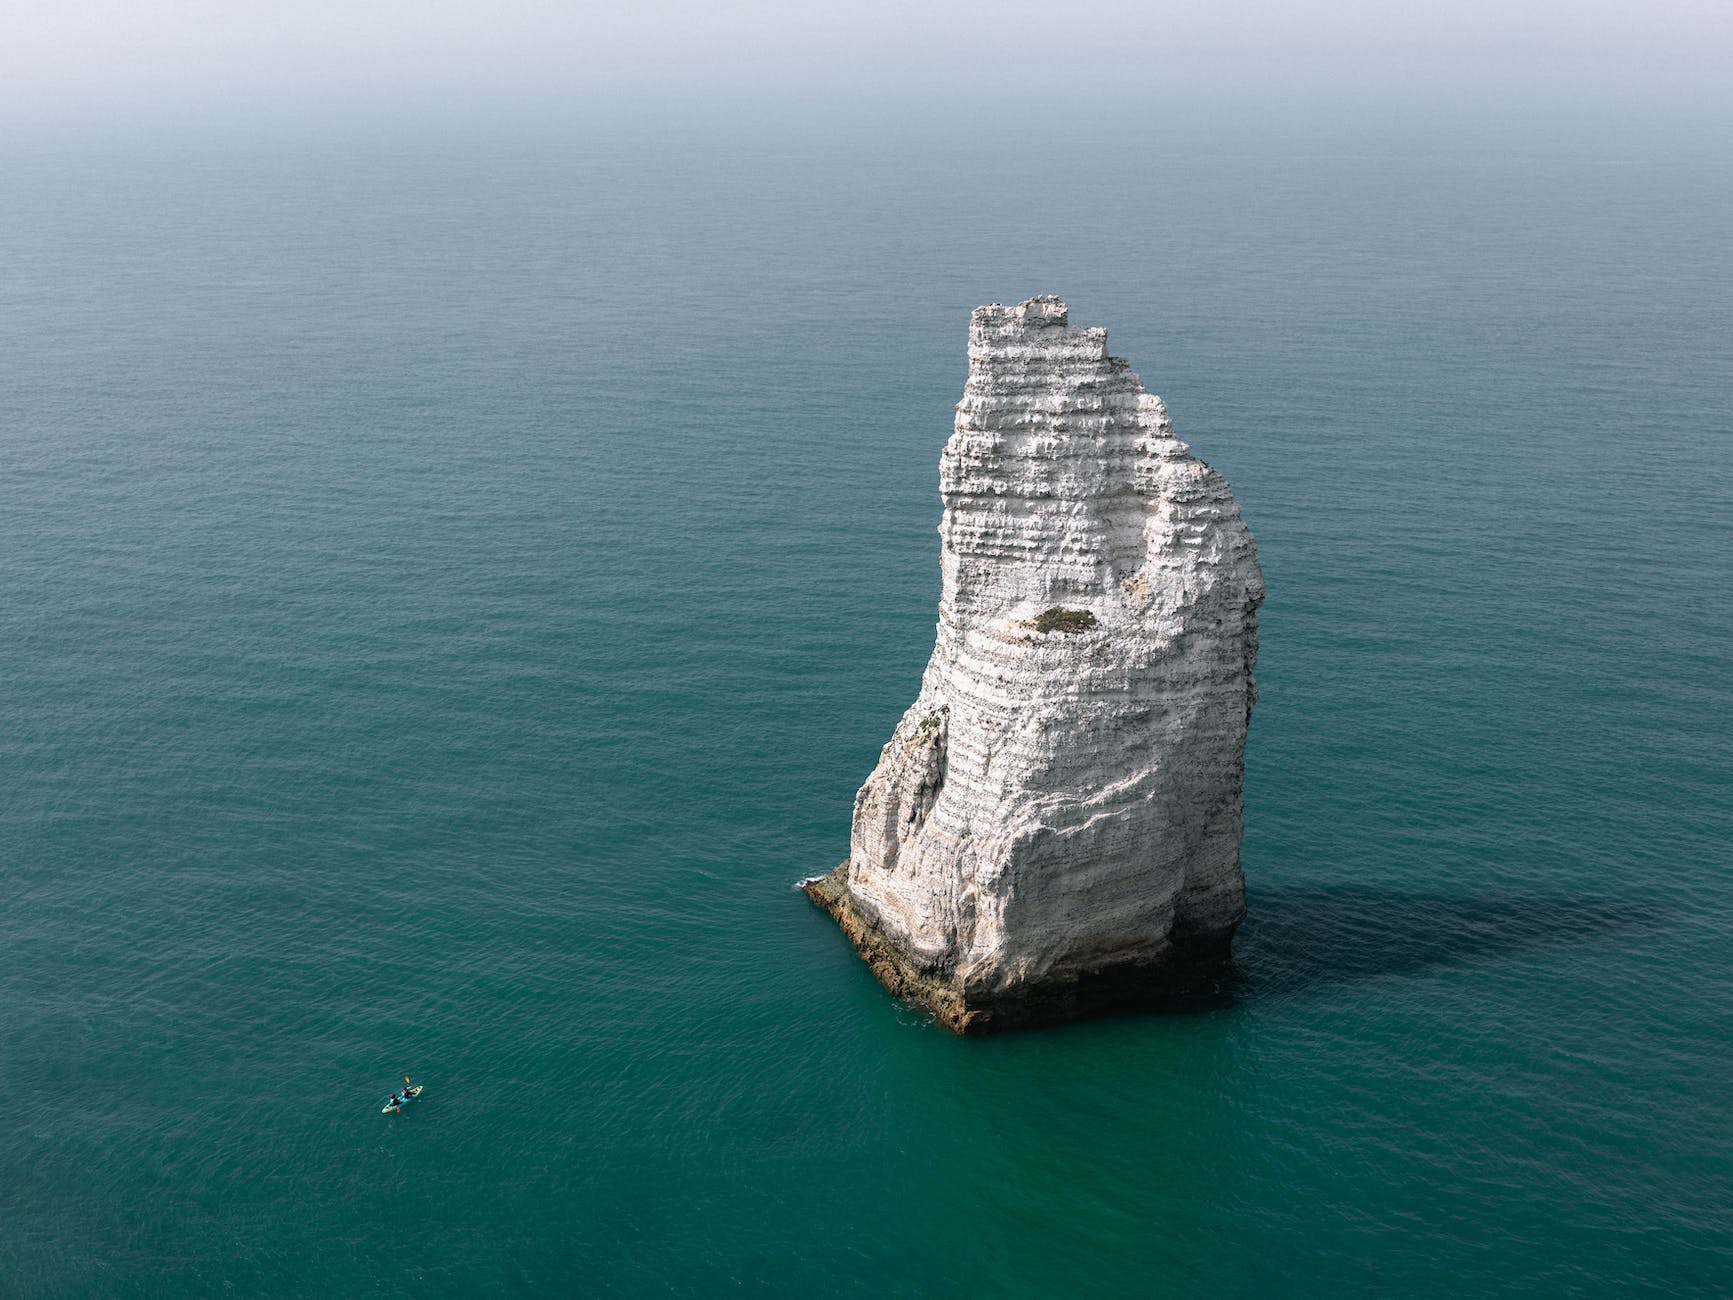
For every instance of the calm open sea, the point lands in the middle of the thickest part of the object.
(450, 593)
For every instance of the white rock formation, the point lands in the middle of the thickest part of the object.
(1054, 827)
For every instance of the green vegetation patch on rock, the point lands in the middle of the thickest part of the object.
(1060, 619)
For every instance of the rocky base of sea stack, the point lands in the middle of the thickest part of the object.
(1189, 966)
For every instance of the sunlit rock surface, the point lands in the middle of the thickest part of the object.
(1054, 827)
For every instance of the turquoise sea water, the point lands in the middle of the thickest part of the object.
(449, 595)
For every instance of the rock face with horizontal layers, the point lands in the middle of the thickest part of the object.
(1054, 827)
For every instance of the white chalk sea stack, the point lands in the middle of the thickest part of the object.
(1054, 827)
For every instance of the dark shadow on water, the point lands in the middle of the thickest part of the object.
(1295, 940)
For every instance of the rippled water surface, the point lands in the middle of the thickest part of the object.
(448, 595)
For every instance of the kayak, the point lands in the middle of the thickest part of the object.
(393, 1103)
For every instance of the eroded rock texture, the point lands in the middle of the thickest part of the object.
(1054, 827)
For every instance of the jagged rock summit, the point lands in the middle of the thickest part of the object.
(1054, 827)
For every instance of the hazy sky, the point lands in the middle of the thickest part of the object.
(90, 59)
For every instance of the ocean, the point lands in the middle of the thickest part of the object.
(451, 590)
